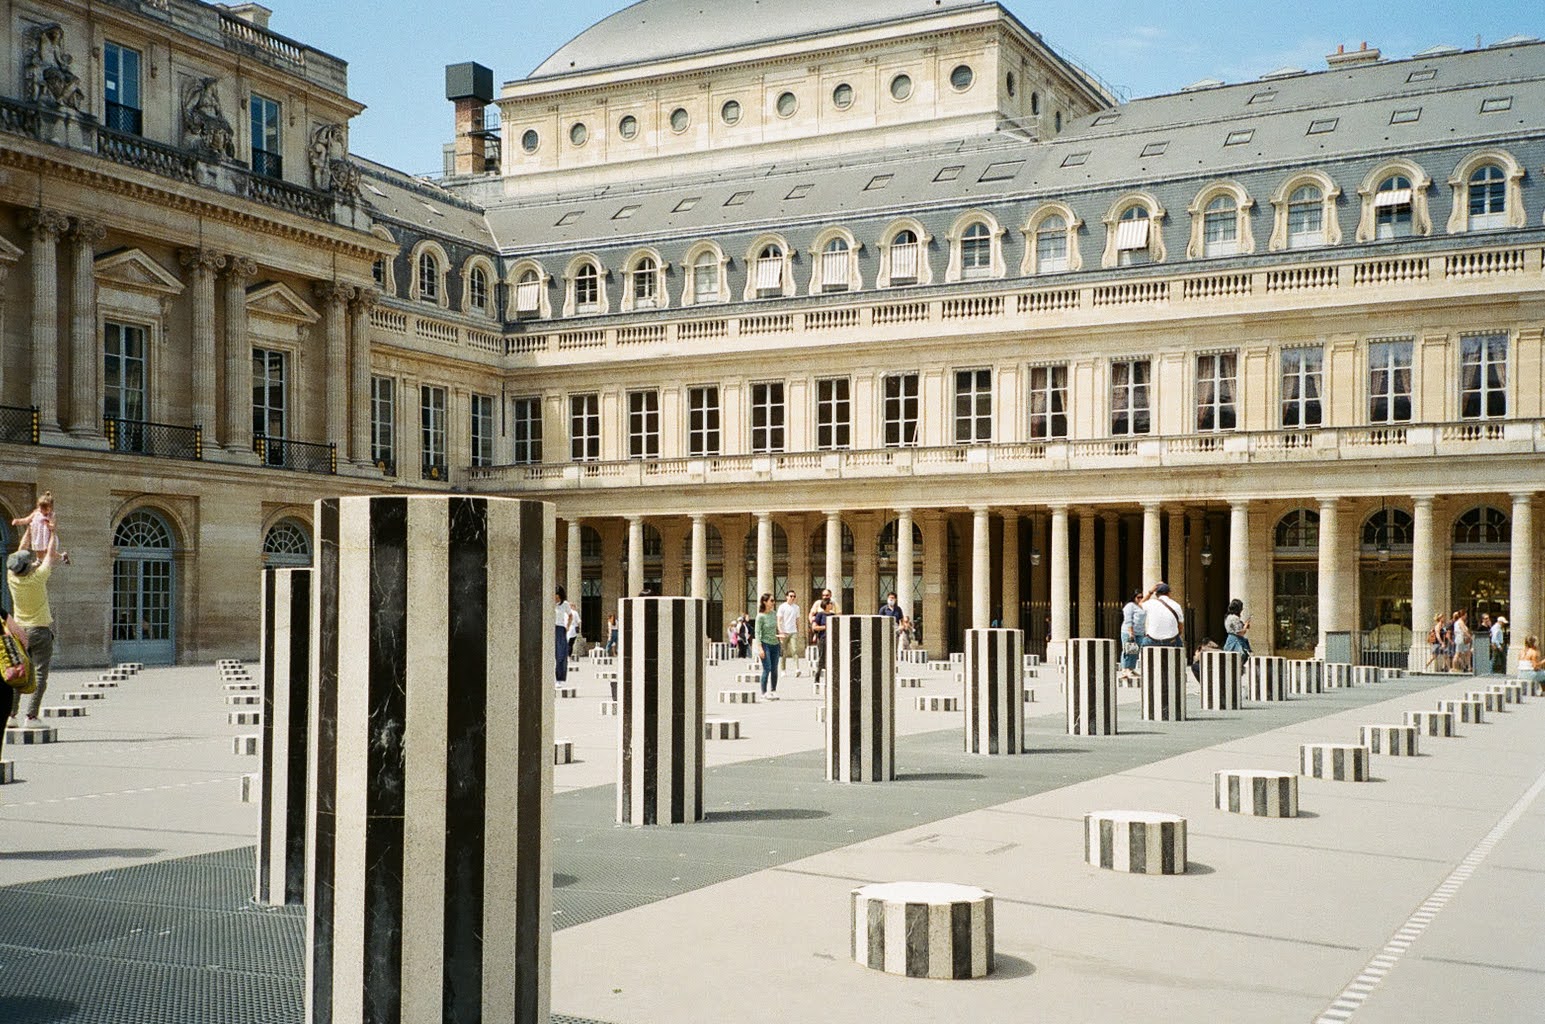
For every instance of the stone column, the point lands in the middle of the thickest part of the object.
(904, 560)
(363, 302)
(636, 556)
(202, 266)
(573, 574)
(935, 547)
(1175, 569)
(860, 699)
(1330, 566)
(236, 434)
(85, 348)
(1011, 615)
(429, 859)
(834, 558)
(1090, 689)
(764, 554)
(1239, 553)
(1423, 569)
(1040, 575)
(1087, 620)
(995, 691)
(1521, 612)
(1111, 523)
(672, 560)
(334, 298)
(981, 570)
(866, 564)
(1153, 556)
(699, 557)
(46, 227)
(662, 652)
(733, 533)
(286, 687)
(7, 261)
(1061, 595)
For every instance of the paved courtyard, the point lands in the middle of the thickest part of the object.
(126, 865)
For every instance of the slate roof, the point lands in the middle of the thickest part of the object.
(421, 205)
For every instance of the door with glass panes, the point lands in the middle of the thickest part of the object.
(144, 591)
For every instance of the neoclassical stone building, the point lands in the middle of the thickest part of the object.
(889, 293)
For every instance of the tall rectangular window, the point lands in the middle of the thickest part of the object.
(767, 417)
(1048, 402)
(1130, 381)
(1217, 381)
(120, 88)
(1302, 375)
(643, 424)
(123, 372)
(703, 437)
(833, 414)
(482, 430)
(431, 415)
(1389, 381)
(585, 427)
(383, 423)
(526, 414)
(973, 406)
(901, 410)
(266, 159)
(269, 393)
(1483, 376)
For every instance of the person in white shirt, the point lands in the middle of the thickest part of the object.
(565, 618)
(788, 630)
(1162, 619)
(1499, 644)
(574, 623)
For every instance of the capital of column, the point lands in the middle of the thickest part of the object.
(1239, 504)
(46, 223)
(1152, 507)
(698, 518)
(86, 232)
(834, 517)
(332, 292)
(1522, 497)
(634, 520)
(240, 269)
(763, 517)
(365, 299)
(201, 261)
(1330, 503)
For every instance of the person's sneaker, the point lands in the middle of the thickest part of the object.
(32, 723)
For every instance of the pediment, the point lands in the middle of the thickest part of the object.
(133, 270)
(8, 252)
(279, 301)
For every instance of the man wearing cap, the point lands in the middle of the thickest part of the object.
(1499, 644)
(27, 579)
(1162, 619)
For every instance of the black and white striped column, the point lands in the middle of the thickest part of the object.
(1338, 762)
(1163, 676)
(429, 863)
(1268, 678)
(1091, 686)
(1338, 675)
(860, 699)
(995, 691)
(1466, 712)
(1431, 723)
(1308, 677)
(661, 645)
(1393, 740)
(285, 673)
(1257, 792)
(1140, 842)
(923, 929)
(1222, 674)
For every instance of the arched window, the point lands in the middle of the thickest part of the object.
(1035, 104)
(1392, 207)
(768, 272)
(286, 544)
(1133, 237)
(528, 293)
(428, 277)
(1488, 197)
(644, 285)
(836, 266)
(1306, 217)
(1051, 245)
(587, 288)
(477, 290)
(1388, 528)
(1298, 532)
(143, 597)
(976, 251)
(1483, 526)
(905, 257)
(1220, 227)
(705, 277)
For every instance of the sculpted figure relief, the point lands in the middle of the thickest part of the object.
(50, 80)
(203, 122)
(330, 167)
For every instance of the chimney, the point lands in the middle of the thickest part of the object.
(471, 87)
(1357, 58)
(255, 15)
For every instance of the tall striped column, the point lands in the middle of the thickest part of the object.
(1163, 674)
(1222, 672)
(428, 851)
(1268, 678)
(662, 653)
(860, 699)
(1091, 686)
(285, 675)
(995, 691)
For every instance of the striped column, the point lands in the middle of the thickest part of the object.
(1257, 792)
(1465, 712)
(860, 699)
(923, 929)
(1308, 677)
(286, 683)
(1394, 740)
(428, 850)
(1268, 678)
(1163, 674)
(1222, 672)
(995, 691)
(661, 645)
(1338, 675)
(1091, 687)
(1431, 723)
(1140, 842)
(1339, 762)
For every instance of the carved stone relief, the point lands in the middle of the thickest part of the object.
(204, 126)
(50, 79)
(330, 167)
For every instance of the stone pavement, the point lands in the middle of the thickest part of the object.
(125, 863)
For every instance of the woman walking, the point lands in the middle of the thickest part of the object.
(1236, 626)
(768, 647)
(563, 620)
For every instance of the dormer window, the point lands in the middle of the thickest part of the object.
(1051, 245)
(1220, 227)
(1488, 197)
(1132, 235)
(1392, 208)
(976, 251)
(769, 272)
(705, 278)
(645, 283)
(587, 289)
(428, 277)
(836, 266)
(477, 290)
(528, 294)
(904, 252)
(1306, 217)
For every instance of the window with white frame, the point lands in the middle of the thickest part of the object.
(1220, 227)
(526, 429)
(585, 427)
(123, 376)
(120, 88)
(528, 293)
(428, 277)
(1048, 402)
(477, 290)
(1217, 381)
(905, 253)
(644, 424)
(973, 406)
(266, 158)
(270, 396)
(901, 410)
(1392, 207)
(767, 417)
(1303, 372)
(833, 413)
(645, 282)
(1051, 245)
(432, 403)
(1130, 383)
(1132, 236)
(383, 422)
(1389, 381)
(1483, 376)
(836, 266)
(769, 272)
(1306, 217)
(587, 288)
(1488, 198)
(976, 251)
(705, 278)
(704, 439)
(482, 430)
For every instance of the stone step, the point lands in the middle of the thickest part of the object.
(63, 711)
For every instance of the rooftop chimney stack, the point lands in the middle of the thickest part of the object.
(471, 87)
(1359, 57)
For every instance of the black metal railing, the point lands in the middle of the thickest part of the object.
(301, 456)
(1386, 647)
(129, 120)
(269, 165)
(159, 440)
(387, 464)
(433, 470)
(19, 425)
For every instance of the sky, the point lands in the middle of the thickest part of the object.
(397, 49)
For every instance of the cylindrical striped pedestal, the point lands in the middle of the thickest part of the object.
(721, 728)
(1140, 842)
(995, 691)
(923, 929)
(1257, 792)
(1465, 712)
(1492, 702)
(660, 721)
(1222, 674)
(285, 675)
(1364, 675)
(1512, 693)
(1431, 723)
(1163, 674)
(860, 699)
(1307, 677)
(1339, 762)
(1338, 675)
(1393, 740)
(1268, 678)
(1091, 686)
(429, 863)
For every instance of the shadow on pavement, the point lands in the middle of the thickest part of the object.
(768, 814)
(129, 852)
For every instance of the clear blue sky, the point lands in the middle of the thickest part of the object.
(397, 49)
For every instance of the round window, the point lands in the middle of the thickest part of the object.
(730, 112)
(901, 87)
(842, 96)
(1011, 83)
(962, 77)
(680, 119)
(530, 140)
(628, 127)
(787, 104)
(579, 133)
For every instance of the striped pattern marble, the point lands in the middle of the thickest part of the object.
(79, 695)
(1138, 842)
(737, 696)
(7, 772)
(1257, 792)
(1512, 693)
(1392, 740)
(662, 654)
(923, 929)
(32, 735)
(284, 672)
(429, 864)
(1222, 679)
(721, 728)
(1268, 678)
(256, 718)
(909, 682)
(1364, 675)
(1307, 677)
(935, 702)
(565, 692)
(1091, 686)
(994, 691)
(1338, 762)
(1492, 702)
(250, 788)
(861, 699)
(608, 707)
(563, 751)
(1338, 675)
(1386, 674)
(63, 711)
(1163, 675)
(248, 745)
(1431, 723)
(1466, 712)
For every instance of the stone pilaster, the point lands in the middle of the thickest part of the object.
(700, 557)
(363, 302)
(1424, 605)
(1153, 552)
(334, 299)
(834, 558)
(636, 556)
(236, 426)
(573, 579)
(764, 553)
(85, 349)
(202, 266)
(46, 226)
(1010, 562)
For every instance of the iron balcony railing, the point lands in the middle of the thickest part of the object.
(129, 120)
(18, 424)
(301, 456)
(387, 464)
(269, 165)
(434, 469)
(160, 440)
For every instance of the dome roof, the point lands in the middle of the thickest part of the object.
(657, 29)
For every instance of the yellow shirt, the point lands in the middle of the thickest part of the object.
(29, 597)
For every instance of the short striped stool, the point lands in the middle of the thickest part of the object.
(1431, 723)
(249, 788)
(563, 751)
(909, 681)
(244, 718)
(247, 746)
(1364, 675)
(1394, 740)
(1490, 701)
(1308, 677)
(1338, 762)
(923, 929)
(1512, 693)
(1257, 792)
(1466, 712)
(937, 703)
(608, 707)
(1338, 675)
(7, 772)
(737, 696)
(63, 711)
(1139, 842)
(565, 692)
(721, 728)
